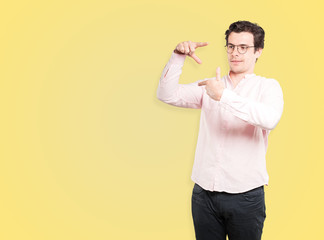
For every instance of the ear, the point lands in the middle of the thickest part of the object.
(258, 52)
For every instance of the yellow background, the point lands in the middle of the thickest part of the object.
(87, 150)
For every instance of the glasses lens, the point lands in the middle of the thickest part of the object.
(242, 49)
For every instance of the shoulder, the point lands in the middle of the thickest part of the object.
(267, 81)
(269, 84)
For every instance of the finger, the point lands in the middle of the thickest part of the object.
(201, 44)
(196, 58)
(180, 47)
(191, 47)
(202, 83)
(218, 74)
(186, 47)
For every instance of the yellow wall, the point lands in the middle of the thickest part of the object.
(87, 150)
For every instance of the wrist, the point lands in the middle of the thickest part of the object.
(177, 52)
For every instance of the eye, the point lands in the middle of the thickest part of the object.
(230, 46)
(243, 47)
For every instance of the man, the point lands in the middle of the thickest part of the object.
(237, 113)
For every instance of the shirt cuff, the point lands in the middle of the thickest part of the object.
(226, 96)
(177, 59)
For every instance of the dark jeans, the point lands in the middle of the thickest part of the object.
(217, 214)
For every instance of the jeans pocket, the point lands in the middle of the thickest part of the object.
(197, 189)
(254, 195)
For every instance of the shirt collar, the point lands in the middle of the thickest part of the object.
(246, 76)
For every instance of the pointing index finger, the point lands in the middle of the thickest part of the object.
(201, 44)
(202, 83)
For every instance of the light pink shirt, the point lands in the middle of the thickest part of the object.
(233, 133)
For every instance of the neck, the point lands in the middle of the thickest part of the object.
(237, 77)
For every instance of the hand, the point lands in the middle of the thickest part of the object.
(189, 48)
(214, 87)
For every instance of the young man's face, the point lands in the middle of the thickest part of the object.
(242, 63)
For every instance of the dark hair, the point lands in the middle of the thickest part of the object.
(246, 26)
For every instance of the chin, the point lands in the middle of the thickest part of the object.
(236, 70)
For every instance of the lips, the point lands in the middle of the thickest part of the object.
(236, 62)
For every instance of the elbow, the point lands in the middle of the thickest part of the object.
(165, 96)
(161, 99)
(272, 122)
(165, 100)
(270, 126)
(160, 96)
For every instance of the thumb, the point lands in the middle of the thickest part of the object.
(218, 74)
(194, 56)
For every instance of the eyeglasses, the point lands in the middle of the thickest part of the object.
(240, 48)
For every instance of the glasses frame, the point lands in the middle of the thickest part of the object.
(247, 47)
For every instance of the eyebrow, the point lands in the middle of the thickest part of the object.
(238, 45)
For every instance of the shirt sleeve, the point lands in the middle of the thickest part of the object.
(265, 113)
(173, 93)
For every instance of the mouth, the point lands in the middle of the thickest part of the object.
(235, 62)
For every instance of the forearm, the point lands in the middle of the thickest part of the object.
(265, 114)
(169, 89)
(169, 81)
